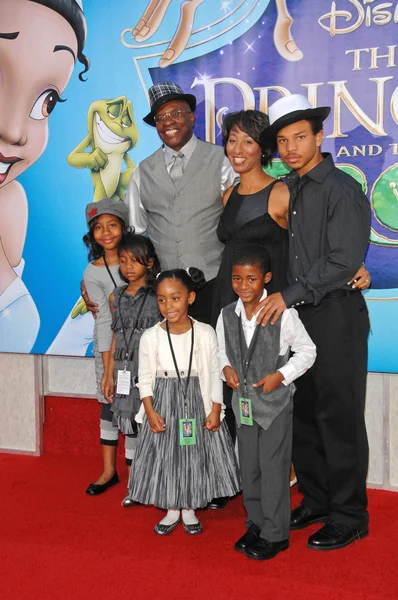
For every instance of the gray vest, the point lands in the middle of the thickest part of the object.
(183, 220)
(265, 360)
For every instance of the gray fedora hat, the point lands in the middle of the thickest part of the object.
(107, 206)
(164, 92)
(288, 110)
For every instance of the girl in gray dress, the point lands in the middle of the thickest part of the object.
(135, 308)
(185, 456)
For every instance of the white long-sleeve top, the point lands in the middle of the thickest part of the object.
(154, 355)
(293, 336)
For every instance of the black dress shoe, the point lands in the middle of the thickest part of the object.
(333, 536)
(94, 489)
(218, 503)
(248, 539)
(303, 516)
(264, 550)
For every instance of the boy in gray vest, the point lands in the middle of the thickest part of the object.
(255, 363)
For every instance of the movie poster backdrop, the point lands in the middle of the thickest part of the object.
(67, 135)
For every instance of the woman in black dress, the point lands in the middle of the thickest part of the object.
(255, 209)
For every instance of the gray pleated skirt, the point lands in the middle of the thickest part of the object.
(171, 476)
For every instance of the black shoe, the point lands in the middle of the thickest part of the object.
(94, 489)
(303, 516)
(166, 529)
(264, 550)
(218, 503)
(248, 539)
(194, 529)
(333, 536)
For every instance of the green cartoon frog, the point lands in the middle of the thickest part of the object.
(112, 132)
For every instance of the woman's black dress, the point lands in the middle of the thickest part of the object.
(245, 220)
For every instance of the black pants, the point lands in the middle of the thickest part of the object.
(330, 446)
(201, 310)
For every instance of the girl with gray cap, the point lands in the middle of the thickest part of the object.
(107, 221)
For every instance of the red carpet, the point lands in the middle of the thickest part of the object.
(58, 543)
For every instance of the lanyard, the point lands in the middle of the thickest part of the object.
(184, 394)
(247, 356)
(109, 272)
(127, 344)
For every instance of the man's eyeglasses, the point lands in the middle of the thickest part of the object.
(172, 114)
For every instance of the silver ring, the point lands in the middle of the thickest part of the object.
(367, 280)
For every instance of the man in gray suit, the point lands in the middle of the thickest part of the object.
(175, 195)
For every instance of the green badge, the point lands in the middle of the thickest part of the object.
(245, 410)
(187, 432)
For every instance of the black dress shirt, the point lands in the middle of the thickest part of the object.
(329, 227)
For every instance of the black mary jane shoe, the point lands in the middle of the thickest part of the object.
(333, 536)
(166, 529)
(264, 550)
(248, 539)
(94, 489)
(193, 529)
(218, 503)
(302, 517)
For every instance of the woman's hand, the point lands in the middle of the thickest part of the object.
(156, 422)
(213, 420)
(361, 279)
(231, 377)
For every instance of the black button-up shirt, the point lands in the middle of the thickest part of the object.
(329, 227)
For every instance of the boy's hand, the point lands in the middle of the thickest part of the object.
(156, 422)
(213, 420)
(270, 382)
(271, 309)
(231, 377)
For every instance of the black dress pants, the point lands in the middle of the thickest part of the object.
(330, 446)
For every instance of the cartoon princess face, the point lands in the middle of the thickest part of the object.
(38, 49)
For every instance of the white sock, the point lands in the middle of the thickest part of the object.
(171, 517)
(189, 517)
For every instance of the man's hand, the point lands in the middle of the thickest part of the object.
(271, 309)
(269, 383)
(231, 377)
(91, 306)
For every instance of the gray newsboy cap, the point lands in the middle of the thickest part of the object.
(107, 206)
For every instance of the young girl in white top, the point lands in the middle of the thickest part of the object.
(185, 455)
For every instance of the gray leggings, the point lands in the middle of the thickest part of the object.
(110, 434)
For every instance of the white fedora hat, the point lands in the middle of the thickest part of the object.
(288, 110)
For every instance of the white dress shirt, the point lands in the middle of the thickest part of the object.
(293, 336)
(137, 214)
